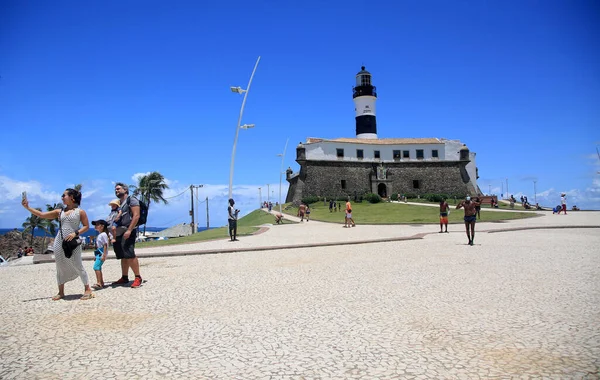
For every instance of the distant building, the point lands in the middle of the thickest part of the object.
(367, 164)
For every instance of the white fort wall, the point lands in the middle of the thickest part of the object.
(327, 151)
(453, 154)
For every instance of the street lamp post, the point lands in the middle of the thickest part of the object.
(268, 193)
(281, 171)
(534, 192)
(260, 197)
(240, 90)
(507, 193)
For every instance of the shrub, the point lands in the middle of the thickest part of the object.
(434, 197)
(310, 199)
(410, 195)
(372, 198)
(394, 197)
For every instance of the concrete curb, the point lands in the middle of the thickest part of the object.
(536, 228)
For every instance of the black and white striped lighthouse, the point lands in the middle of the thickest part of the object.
(364, 95)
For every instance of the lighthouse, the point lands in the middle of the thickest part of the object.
(364, 96)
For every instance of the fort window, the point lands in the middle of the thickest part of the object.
(396, 155)
(416, 184)
(340, 153)
(434, 153)
(359, 154)
(405, 154)
(343, 184)
(420, 154)
(377, 155)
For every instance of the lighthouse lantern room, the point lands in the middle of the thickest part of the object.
(365, 95)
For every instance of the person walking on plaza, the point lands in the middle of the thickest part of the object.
(444, 212)
(232, 219)
(71, 217)
(301, 211)
(126, 233)
(470, 217)
(349, 214)
(563, 203)
(307, 212)
(101, 251)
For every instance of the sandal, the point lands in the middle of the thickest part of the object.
(87, 296)
(58, 297)
(97, 286)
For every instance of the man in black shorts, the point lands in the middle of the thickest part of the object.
(124, 246)
(470, 216)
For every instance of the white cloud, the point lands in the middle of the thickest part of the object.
(11, 190)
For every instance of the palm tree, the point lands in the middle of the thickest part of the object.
(50, 225)
(31, 223)
(150, 189)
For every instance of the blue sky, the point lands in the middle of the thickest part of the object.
(96, 92)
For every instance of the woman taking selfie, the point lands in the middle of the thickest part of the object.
(69, 266)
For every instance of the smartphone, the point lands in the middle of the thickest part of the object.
(24, 195)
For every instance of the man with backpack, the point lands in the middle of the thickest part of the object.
(124, 246)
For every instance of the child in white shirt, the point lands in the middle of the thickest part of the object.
(101, 251)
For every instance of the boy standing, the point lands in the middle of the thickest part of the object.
(444, 211)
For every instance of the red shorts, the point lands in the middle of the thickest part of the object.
(444, 219)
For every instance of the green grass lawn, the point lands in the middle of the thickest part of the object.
(397, 213)
(246, 226)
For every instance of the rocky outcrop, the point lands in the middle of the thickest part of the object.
(12, 240)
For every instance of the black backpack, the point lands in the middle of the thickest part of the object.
(143, 211)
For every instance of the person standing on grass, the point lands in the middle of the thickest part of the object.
(232, 219)
(444, 212)
(126, 232)
(470, 217)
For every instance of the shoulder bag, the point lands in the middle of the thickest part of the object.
(67, 246)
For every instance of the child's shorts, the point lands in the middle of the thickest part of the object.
(98, 262)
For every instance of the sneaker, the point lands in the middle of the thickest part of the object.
(121, 281)
(137, 282)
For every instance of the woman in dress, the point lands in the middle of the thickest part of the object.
(71, 217)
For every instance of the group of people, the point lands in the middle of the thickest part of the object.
(472, 209)
(27, 251)
(119, 228)
(303, 212)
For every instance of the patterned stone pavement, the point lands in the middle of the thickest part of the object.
(518, 304)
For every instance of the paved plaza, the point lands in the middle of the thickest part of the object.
(524, 302)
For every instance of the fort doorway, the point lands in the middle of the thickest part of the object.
(382, 190)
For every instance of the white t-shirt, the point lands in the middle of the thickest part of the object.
(101, 240)
(563, 200)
